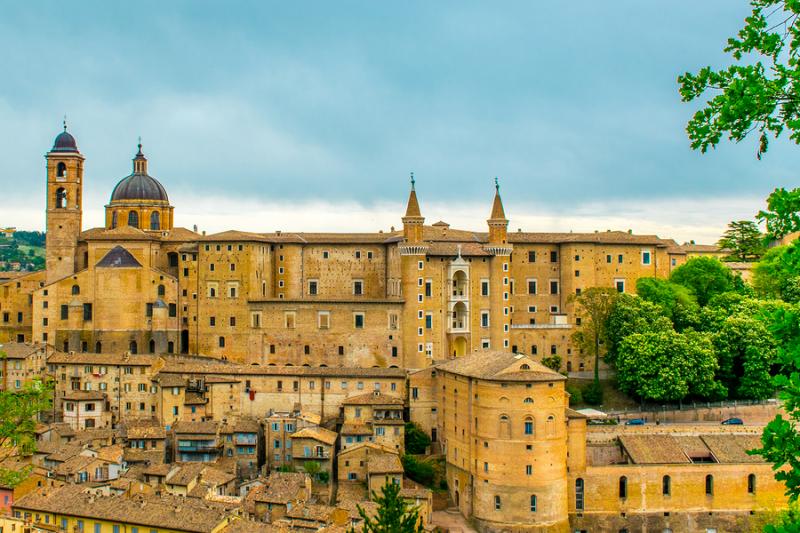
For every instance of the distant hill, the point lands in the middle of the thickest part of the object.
(24, 251)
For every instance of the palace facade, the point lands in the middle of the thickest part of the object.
(388, 299)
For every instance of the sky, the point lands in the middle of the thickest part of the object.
(309, 116)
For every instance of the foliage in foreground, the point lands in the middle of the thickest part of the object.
(394, 515)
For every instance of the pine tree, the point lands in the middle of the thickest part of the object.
(394, 515)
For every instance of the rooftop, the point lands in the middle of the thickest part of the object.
(500, 366)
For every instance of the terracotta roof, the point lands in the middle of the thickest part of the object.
(653, 449)
(163, 511)
(75, 464)
(208, 427)
(149, 429)
(216, 476)
(373, 398)
(242, 425)
(162, 469)
(365, 444)
(195, 369)
(599, 237)
(112, 454)
(412, 207)
(136, 455)
(500, 366)
(316, 433)
(121, 233)
(20, 350)
(103, 359)
(282, 487)
(185, 474)
(468, 249)
(732, 449)
(498, 213)
(702, 248)
(250, 526)
(384, 463)
(355, 429)
(82, 395)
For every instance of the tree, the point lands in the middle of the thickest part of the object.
(594, 305)
(667, 366)
(746, 351)
(312, 468)
(19, 410)
(759, 94)
(744, 240)
(553, 362)
(780, 441)
(704, 276)
(631, 315)
(420, 471)
(394, 515)
(416, 440)
(675, 301)
(782, 216)
(778, 273)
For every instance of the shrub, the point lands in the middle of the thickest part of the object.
(417, 441)
(575, 395)
(420, 471)
(593, 393)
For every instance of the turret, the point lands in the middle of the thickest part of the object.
(413, 220)
(498, 223)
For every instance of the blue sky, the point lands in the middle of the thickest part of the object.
(309, 115)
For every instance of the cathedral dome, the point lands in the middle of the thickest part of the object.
(139, 185)
(65, 142)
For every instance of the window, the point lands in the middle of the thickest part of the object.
(87, 311)
(579, 487)
(646, 258)
(620, 258)
(358, 320)
(325, 254)
(608, 258)
(533, 503)
(553, 256)
(133, 219)
(312, 287)
(497, 503)
(529, 426)
(428, 320)
(222, 342)
(623, 487)
(155, 221)
(553, 287)
(232, 291)
(484, 319)
(531, 286)
(232, 321)
(64, 313)
(289, 319)
(61, 198)
(484, 287)
(620, 285)
(428, 288)
(531, 256)
(358, 287)
(528, 470)
(709, 485)
(751, 484)
(666, 485)
(324, 319)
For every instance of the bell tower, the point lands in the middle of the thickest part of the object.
(64, 205)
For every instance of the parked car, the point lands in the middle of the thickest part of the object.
(635, 422)
(733, 422)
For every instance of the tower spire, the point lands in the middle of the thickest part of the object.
(65, 122)
(498, 213)
(139, 161)
(412, 208)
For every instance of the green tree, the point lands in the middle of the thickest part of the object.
(705, 277)
(394, 515)
(420, 471)
(312, 468)
(594, 305)
(667, 366)
(19, 410)
(746, 352)
(744, 240)
(783, 213)
(759, 91)
(631, 315)
(777, 275)
(780, 440)
(416, 440)
(553, 362)
(675, 301)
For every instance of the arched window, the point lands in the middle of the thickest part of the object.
(533, 503)
(133, 219)
(623, 487)
(579, 494)
(152, 346)
(528, 425)
(114, 220)
(76, 289)
(98, 347)
(527, 400)
(525, 367)
(505, 427)
(61, 198)
(61, 170)
(666, 485)
(497, 504)
(709, 485)
(751, 484)
(161, 290)
(551, 426)
(133, 347)
(155, 220)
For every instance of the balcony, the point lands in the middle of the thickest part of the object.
(459, 319)
(459, 286)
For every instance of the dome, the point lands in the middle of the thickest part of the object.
(65, 142)
(139, 187)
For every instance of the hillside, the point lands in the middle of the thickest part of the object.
(23, 251)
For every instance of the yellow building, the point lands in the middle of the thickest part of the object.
(405, 299)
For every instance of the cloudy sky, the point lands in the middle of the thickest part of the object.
(310, 115)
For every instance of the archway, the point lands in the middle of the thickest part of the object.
(459, 347)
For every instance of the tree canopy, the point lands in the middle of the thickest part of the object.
(777, 275)
(705, 277)
(744, 241)
(759, 91)
(594, 305)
